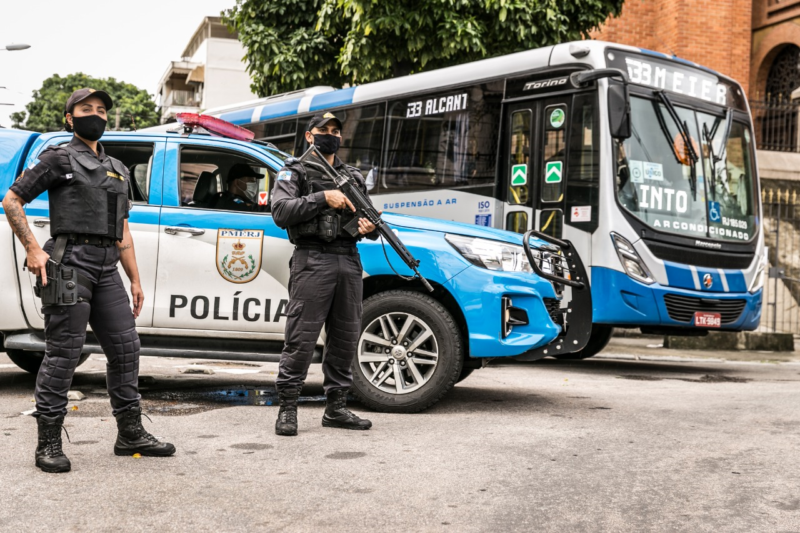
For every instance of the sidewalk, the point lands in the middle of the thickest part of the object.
(651, 347)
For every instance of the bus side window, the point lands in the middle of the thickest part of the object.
(519, 157)
(517, 221)
(583, 165)
(555, 148)
(443, 141)
(281, 134)
(551, 222)
(362, 141)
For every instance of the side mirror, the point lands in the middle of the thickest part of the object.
(619, 103)
(619, 110)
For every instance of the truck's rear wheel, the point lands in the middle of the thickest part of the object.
(409, 354)
(599, 339)
(31, 361)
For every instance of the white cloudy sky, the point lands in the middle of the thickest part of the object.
(131, 40)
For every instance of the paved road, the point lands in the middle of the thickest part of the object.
(609, 444)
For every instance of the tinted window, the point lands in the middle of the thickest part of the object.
(138, 157)
(584, 157)
(204, 181)
(362, 138)
(519, 157)
(280, 133)
(443, 141)
(555, 152)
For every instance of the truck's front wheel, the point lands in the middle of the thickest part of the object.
(31, 361)
(409, 354)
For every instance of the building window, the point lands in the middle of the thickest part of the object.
(774, 112)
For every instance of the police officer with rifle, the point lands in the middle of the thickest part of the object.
(325, 286)
(78, 280)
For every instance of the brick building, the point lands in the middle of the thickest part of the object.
(756, 42)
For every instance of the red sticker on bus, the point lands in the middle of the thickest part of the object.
(263, 197)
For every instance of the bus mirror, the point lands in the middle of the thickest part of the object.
(619, 110)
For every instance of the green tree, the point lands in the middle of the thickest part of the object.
(46, 111)
(292, 44)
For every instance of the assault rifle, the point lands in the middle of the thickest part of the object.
(364, 209)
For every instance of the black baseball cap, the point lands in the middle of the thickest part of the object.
(242, 170)
(317, 121)
(82, 94)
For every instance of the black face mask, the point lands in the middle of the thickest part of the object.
(90, 127)
(327, 144)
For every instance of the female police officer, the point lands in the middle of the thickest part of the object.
(88, 222)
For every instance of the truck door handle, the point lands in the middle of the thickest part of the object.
(190, 231)
(41, 222)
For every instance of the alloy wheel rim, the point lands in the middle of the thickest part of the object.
(398, 353)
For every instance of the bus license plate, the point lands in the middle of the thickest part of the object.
(707, 320)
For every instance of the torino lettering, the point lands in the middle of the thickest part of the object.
(248, 309)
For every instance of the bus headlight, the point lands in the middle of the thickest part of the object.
(761, 273)
(493, 255)
(631, 262)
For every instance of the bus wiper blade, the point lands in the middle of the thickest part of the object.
(708, 137)
(683, 130)
(724, 141)
(716, 158)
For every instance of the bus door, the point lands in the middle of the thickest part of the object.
(535, 164)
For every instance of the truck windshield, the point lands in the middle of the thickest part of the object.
(655, 181)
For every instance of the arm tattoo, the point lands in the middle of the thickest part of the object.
(125, 247)
(19, 223)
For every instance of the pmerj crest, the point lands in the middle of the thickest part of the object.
(239, 254)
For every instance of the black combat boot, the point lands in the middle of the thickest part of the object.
(338, 416)
(133, 438)
(49, 456)
(286, 425)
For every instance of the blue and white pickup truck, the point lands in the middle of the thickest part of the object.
(215, 281)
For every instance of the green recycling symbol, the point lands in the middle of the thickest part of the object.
(552, 172)
(519, 175)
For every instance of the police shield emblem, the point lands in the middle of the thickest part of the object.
(239, 254)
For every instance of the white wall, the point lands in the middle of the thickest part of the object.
(226, 80)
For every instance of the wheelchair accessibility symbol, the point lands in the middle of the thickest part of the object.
(714, 213)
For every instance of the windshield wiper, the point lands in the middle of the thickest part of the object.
(683, 130)
(709, 138)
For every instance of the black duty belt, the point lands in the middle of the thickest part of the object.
(338, 250)
(97, 240)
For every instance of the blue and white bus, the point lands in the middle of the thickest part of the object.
(652, 175)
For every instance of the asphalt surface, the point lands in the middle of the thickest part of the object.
(669, 442)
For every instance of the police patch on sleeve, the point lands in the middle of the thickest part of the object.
(34, 163)
(284, 175)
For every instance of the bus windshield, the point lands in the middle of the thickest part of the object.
(656, 184)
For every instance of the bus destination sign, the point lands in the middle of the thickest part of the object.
(676, 78)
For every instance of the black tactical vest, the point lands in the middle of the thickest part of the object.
(94, 200)
(329, 224)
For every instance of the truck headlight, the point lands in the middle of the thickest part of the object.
(631, 262)
(761, 273)
(493, 255)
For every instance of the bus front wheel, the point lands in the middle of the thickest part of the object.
(599, 339)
